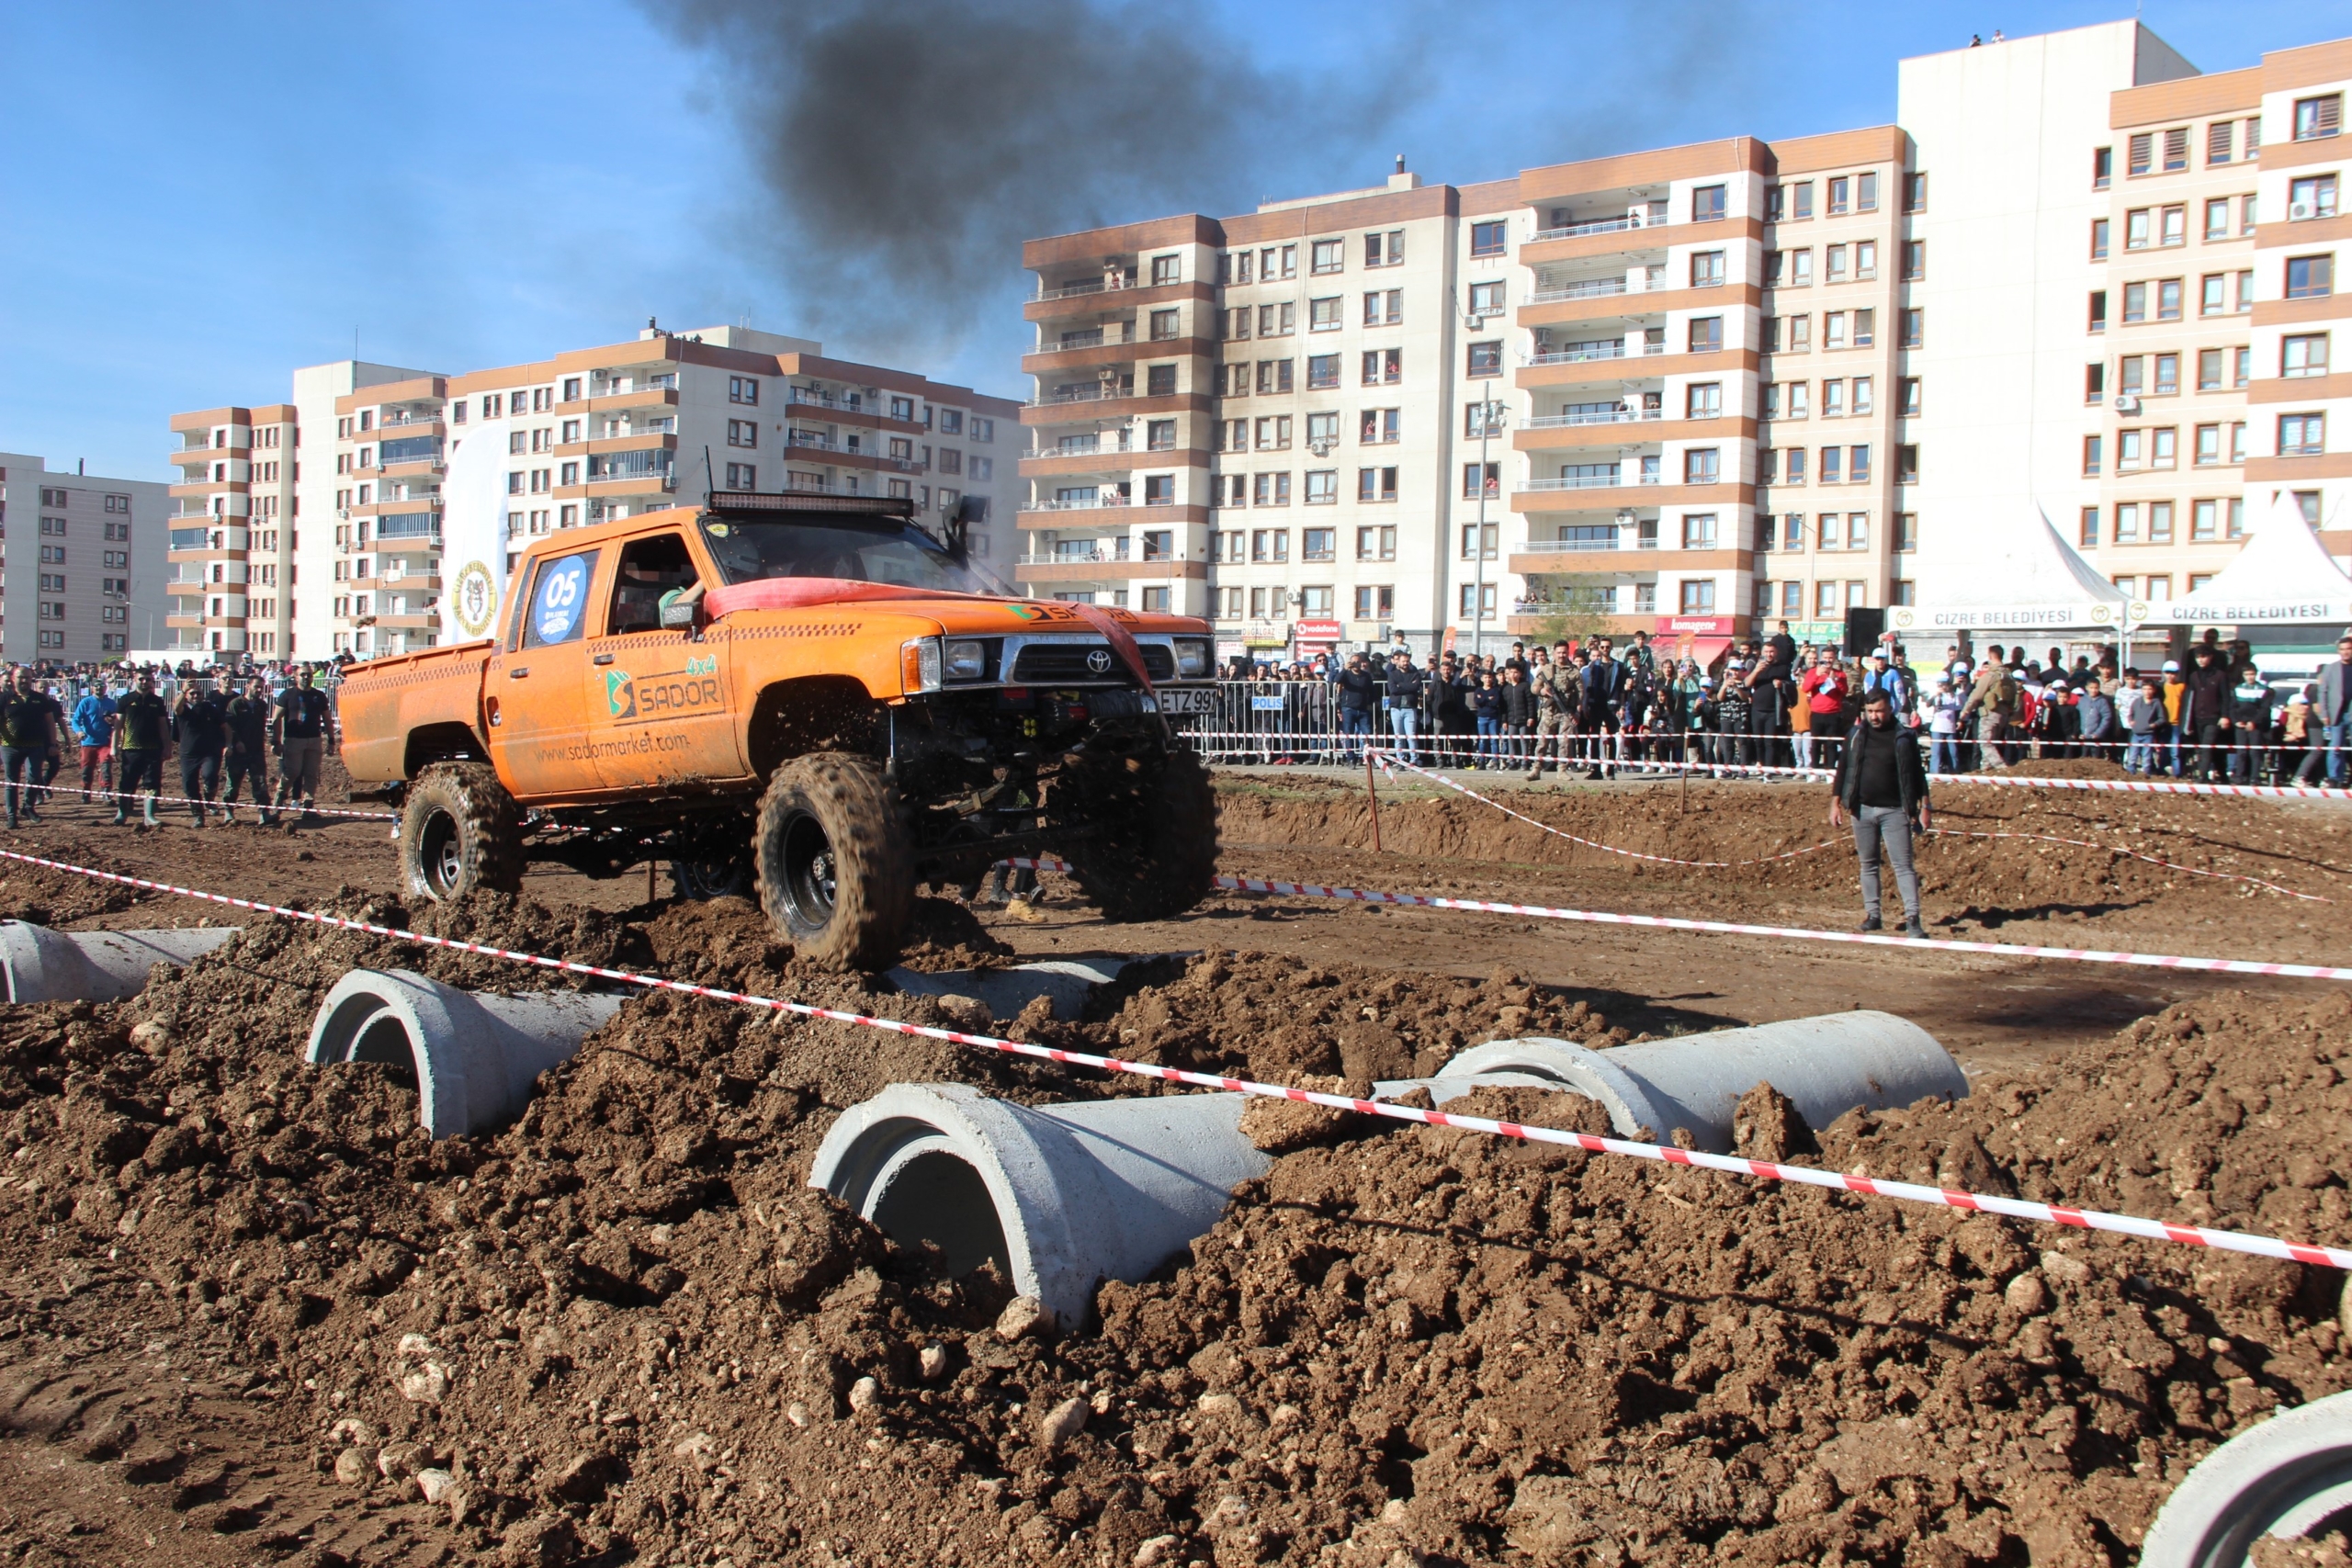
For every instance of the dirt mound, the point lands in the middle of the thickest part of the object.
(2070, 768)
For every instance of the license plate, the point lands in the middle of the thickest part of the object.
(1187, 699)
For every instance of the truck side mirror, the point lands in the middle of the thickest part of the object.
(678, 616)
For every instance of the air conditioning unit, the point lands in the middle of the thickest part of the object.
(2127, 403)
(2299, 210)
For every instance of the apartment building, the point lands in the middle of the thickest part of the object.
(1692, 389)
(90, 562)
(590, 435)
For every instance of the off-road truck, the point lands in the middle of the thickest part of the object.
(808, 697)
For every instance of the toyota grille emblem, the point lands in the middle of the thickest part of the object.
(1099, 661)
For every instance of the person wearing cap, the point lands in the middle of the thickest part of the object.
(2332, 707)
(1881, 786)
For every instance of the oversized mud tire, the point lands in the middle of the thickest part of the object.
(835, 871)
(731, 878)
(1152, 852)
(460, 833)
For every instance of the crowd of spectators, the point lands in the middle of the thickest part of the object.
(1597, 707)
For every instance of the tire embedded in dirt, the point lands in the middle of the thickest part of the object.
(1152, 852)
(834, 874)
(459, 834)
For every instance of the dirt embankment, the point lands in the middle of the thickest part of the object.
(248, 1297)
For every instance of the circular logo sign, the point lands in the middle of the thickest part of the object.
(556, 611)
(475, 600)
(1099, 661)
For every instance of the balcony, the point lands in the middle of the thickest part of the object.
(1591, 288)
(1572, 420)
(1097, 504)
(1584, 352)
(1587, 481)
(1597, 226)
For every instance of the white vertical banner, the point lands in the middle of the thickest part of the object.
(473, 537)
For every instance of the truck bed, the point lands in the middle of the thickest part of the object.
(385, 701)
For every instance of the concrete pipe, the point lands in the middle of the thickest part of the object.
(1827, 1066)
(475, 1055)
(44, 965)
(2284, 1478)
(1061, 1197)
(1066, 983)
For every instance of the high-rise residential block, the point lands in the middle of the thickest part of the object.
(591, 435)
(89, 562)
(1706, 386)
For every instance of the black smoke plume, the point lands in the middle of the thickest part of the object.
(907, 147)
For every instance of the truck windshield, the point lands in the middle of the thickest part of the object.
(749, 550)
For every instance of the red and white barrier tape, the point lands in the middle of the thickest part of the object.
(2010, 781)
(1730, 927)
(2135, 854)
(1869, 1187)
(218, 805)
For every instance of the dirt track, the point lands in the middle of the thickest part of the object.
(646, 1329)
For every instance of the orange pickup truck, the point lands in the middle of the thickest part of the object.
(810, 697)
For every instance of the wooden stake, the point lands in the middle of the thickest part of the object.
(1373, 795)
(649, 882)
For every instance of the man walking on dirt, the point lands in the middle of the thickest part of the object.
(1882, 785)
(298, 734)
(29, 720)
(247, 760)
(200, 727)
(94, 727)
(142, 731)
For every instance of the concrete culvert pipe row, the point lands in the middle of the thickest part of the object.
(2286, 1478)
(1827, 1065)
(1061, 1197)
(474, 1057)
(43, 965)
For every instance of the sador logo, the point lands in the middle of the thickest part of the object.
(475, 601)
(620, 693)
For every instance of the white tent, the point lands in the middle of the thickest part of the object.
(2283, 574)
(2016, 575)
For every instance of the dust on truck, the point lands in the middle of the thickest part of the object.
(811, 698)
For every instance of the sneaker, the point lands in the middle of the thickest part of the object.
(1871, 924)
(1914, 928)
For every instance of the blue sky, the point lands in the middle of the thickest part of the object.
(200, 199)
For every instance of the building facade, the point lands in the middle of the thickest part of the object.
(588, 435)
(1700, 387)
(90, 562)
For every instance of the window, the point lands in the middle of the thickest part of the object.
(1163, 326)
(1914, 193)
(2218, 138)
(2302, 434)
(743, 390)
(2129, 448)
(1385, 250)
(1385, 307)
(2102, 167)
(2142, 151)
(2160, 522)
(2164, 448)
(1698, 597)
(2168, 299)
(2311, 278)
(1272, 489)
(1323, 315)
(1480, 419)
(2237, 441)
(2098, 310)
(2303, 355)
(1702, 466)
(1706, 335)
(1841, 191)
(1795, 465)
(1376, 544)
(1833, 335)
(1159, 435)
(2204, 520)
(2095, 381)
(2127, 523)
(2091, 449)
(1703, 400)
(1319, 544)
(2237, 517)
(1322, 490)
(1836, 258)
(2245, 291)
(2135, 302)
(1236, 323)
(2208, 446)
(1269, 544)
(1488, 239)
(2167, 375)
(2310, 199)
(1160, 381)
(1707, 204)
(1328, 255)
(1866, 193)
(1907, 400)
(1376, 484)
(1375, 604)
(1471, 540)
(1915, 257)
(1385, 367)
(1277, 321)
(1322, 432)
(1833, 398)
(742, 432)
(1487, 358)
(1273, 376)
(1914, 327)
(1866, 331)
(1858, 466)
(1322, 371)
(2245, 215)
(2217, 220)
(2175, 148)
(2211, 292)
(2086, 531)
(1866, 258)
(1907, 532)
(1706, 271)
(1379, 426)
(1277, 262)
(2315, 118)
(1699, 531)
(2174, 231)
(1273, 433)
(1478, 601)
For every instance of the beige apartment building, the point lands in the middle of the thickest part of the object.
(588, 435)
(89, 559)
(1706, 386)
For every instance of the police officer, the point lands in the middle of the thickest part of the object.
(1559, 695)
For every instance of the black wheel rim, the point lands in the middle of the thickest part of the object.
(441, 852)
(810, 875)
(708, 878)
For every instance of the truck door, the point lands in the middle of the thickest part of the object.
(658, 702)
(539, 683)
